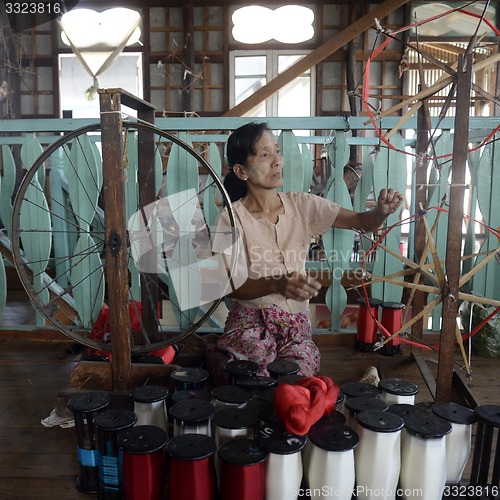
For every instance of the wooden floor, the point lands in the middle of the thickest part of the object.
(40, 462)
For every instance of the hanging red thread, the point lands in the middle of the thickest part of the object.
(244, 482)
(301, 405)
(191, 479)
(144, 476)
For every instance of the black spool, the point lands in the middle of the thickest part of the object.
(189, 378)
(235, 418)
(240, 368)
(426, 426)
(242, 451)
(333, 436)
(398, 387)
(275, 439)
(85, 407)
(358, 389)
(364, 403)
(149, 393)
(232, 395)
(282, 367)
(256, 383)
(267, 413)
(142, 439)
(192, 412)
(109, 424)
(380, 421)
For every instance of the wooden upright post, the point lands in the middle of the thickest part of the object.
(116, 236)
(454, 240)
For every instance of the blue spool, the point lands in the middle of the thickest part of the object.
(85, 407)
(109, 424)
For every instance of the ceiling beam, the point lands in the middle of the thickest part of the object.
(316, 56)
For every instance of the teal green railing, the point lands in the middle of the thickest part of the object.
(381, 167)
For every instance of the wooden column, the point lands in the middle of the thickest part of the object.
(422, 163)
(454, 240)
(116, 237)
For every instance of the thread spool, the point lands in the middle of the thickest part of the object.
(243, 464)
(284, 465)
(331, 464)
(366, 326)
(256, 383)
(289, 379)
(150, 405)
(189, 378)
(192, 416)
(282, 367)
(487, 432)
(401, 410)
(266, 396)
(359, 404)
(230, 423)
(378, 456)
(184, 394)
(143, 448)
(423, 459)
(230, 396)
(357, 390)
(395, 391)
(240, 368)
(191, 467)
(85, 407)
(109, 424)
(334, 418)
(458, 441)
(267, 413)
(392, 321)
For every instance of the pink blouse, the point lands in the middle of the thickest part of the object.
(276, 249)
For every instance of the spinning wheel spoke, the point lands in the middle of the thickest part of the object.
(59, 242)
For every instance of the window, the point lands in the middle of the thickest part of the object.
(253, 69)
(125, 73)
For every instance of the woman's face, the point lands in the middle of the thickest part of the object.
(264, 168)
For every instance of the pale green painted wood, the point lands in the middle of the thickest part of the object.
(131, 206)
(84, 185)
(308, 166)
(338, 242)
(183, 180)
(182, 168)
(389, 171)
(60, 222)
(87, 280)
(3, 279)
(30, 151)
(486, 280)
(293, 171)
(211, 193)
(3, 287)
(440, 177)
(37, 245)
(7, 185)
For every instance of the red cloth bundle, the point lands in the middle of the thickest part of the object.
(301, 405)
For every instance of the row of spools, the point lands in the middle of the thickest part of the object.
(228, 442)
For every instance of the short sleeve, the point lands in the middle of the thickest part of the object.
(318, 213)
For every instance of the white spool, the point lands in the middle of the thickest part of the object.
(378, 455)
(230, 396)
(331, 469)
(150, 406)
(192, 416)
(396, 391)
(459, 440)
(284, 466)
(423, 460)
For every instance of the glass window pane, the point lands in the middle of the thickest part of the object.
(244, 66)
(244, 87)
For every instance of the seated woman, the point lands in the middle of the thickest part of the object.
(269, 318)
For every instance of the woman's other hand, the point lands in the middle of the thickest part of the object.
(298, 286)
(389, 201)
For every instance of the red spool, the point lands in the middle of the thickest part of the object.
(392, 319)
(367, 322)
(191, 467)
